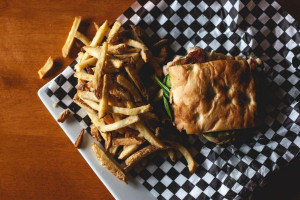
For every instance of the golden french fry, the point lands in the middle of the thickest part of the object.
(126, 141)
(107, 162)
(104, 99)
(113, 32)
(120, 93)
(86, 95)
(96, 26)
(113, 150)
(84, 76)
(67, 46)
(189, 158)
(100, 34)
(120, 124)
(46, 68)
(95, 51)
(127, 151)
(96, 40)
(83, 105)
(132, 50)
(127, 85)
(136, 44)
(82, 38)
(115, 62)
(85, 63)
(148, 135)
(171, 154)
(133, 75)
(108, 141)
(134, 56)
(94, 105)
(116, 49)
(99, 67)
(139, 155)
(130, 111)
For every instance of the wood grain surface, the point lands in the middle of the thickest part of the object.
(37, 160)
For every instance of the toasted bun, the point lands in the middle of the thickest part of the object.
(213, 96)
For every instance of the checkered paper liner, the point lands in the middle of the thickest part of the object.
(231, 27)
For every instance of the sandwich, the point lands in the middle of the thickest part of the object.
(211, 94)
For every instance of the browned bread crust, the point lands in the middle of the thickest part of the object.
(213, 96)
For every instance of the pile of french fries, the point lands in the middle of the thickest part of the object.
(115, 98)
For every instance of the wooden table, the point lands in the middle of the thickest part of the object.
(37, 160)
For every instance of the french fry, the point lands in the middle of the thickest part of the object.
(149, 116)
(86, 63)
(161, 43)
(99, 68)
(127, 85)
(104, 99)
(79, 140)
(127, 151)
(130, 111)
(46, 68)
(82, 38)
(67, 46)
(95, 51)
(63, 116)
(136, 44)
(98, 123)
(120, 124)
(113, 150)
(89, 70)
(100, 34)
(108, 141)
(96, 40)
(120, 93)
(189, 158)
(113, 32)
(139, 155)
(115, 62)
(86, 95)
(134, 56)
(132, 50)
(84, 76)
(108, 119)
(95, 133)
(108, 163)
(133, 75)
(83, 105)
(116, 49)
(126, 141)
(148, 135)
(96, 26)
(171, 154)
(94, 105)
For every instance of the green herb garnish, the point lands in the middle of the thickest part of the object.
(221, 134)
(166, 86)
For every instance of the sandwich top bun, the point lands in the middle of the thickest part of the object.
(213, 96)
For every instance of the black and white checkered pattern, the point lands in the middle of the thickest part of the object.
(236, 28)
